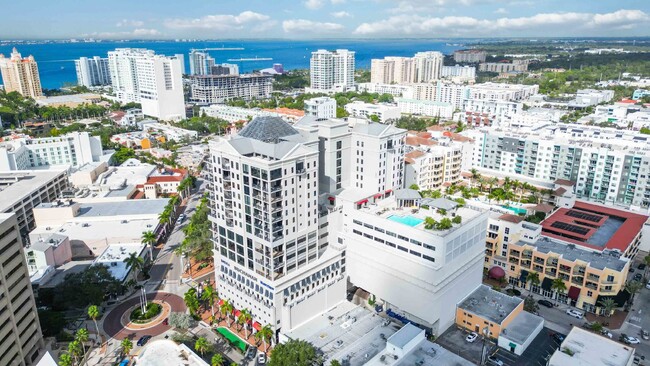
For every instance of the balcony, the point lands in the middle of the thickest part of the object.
(551, 272)
(538, 260)
(591, 285)
(577, 280)
(276, 188)
(513, 260)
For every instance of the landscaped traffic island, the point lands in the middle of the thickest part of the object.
(152, 311)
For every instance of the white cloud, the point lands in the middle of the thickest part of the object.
(313, 4)
(136, 33)
(336, 2)
(501, 11)
(412, 24)
(224, 22)
(341, 14)
(129, 23)
(308, 26)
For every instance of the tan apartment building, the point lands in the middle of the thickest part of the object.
(20, 332)
(589, 247)
(21, 75)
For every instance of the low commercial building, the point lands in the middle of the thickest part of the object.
(171, 133)
(164, 352)
(383, 112)
(582, 347)
(21, 191)
(496, 315)
(396, 90)
(46, 251)
(425, 108)
(590, 97)
(114, 255)
(20, 332)
(235, 114)
(164, 182)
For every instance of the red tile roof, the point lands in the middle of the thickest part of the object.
(511, 218)
(620, 239)
(565, 182)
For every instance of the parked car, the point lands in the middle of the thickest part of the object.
(638, 277)
(492, 360)
(166, 321)
(647, 285)
(631, 270)
(575, 313)
(143, 340)
(641, 266)
(181, 217)
(471, 337)
(606, 333)
(629, 339)
(261, 359)
(644, 334)
(546, 303)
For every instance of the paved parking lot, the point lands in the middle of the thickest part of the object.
(454, 341)
(535, 355)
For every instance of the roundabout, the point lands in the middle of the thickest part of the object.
(118, 324)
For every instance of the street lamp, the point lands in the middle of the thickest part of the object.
(483, 358)
(143, 300)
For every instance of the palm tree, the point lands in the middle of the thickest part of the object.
(127, 346)
(227, 309)
(475, 176)
(82, 337)
(202, 345)
(217, 360)
(559, 286)
(65, 359)
(429, 223)
(244, 317)
(608, 304)
(135, 262)
(266, 333)
(164, 217)
(74, 349)
(533, 278)
(210, 295)
(149, 238)
(93, 313)
(191, 300)
(633, 287)
(493, 182)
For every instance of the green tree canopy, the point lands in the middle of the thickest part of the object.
(293, 353)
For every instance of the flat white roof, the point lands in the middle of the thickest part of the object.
(115, 254)
(23, 183)
(589, 349)
(167, 353)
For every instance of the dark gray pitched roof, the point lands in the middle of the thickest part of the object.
(267, 129)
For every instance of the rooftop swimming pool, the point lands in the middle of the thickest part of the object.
(516, 210)
(406, 220)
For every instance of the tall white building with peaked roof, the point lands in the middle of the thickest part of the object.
(155, 81)
(332, 71)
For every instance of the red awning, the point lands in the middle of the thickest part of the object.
(237, 313)
(378, 195)
(331, 199)
(389, 190)
(220, 302)
(574, 292)
(362, 202)
(257, 326)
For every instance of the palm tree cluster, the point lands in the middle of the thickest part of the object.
(510, 190)
(185, 186)
(210, 297)
(76, 349)
(197, 243)
(134, 262)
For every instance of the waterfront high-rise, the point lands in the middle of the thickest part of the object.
(92, 71)
(20, 331)
(155, 81)
(21, 75)
(424, 67)
(332, 71)
(201, 63)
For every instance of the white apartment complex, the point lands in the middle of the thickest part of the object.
(321, 107)
(92, 71)
(73, 150)
(210, 89)
(331, 71)
(155, 81)
(504, 67)
(20, 332)
(457, 71)
(404, 91)
(607, 165)
(200, 63)
(425, 108)
(424, 67)
(20, 75)
(433, 165)
(170, 132)
(383, 112)
(235, 114)
(470, 56)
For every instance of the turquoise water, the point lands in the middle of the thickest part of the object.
(406, 220)
(516, 210)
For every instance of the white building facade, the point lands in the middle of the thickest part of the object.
(92, 71)
(332, 71)
(321, 107)
(154, 81)
(383, 112)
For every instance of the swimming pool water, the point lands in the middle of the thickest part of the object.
(406, 220)
(518, 211)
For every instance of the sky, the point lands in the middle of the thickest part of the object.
(219, 19)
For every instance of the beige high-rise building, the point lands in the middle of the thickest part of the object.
(424, 67)
(20, 332)
(21, 75)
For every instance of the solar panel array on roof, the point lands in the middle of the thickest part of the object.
(584, 216)
(267, 129)
(572, 228)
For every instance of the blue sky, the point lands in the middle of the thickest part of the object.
(213, 19)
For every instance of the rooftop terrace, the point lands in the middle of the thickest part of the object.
(571, 252)
(591, 349)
